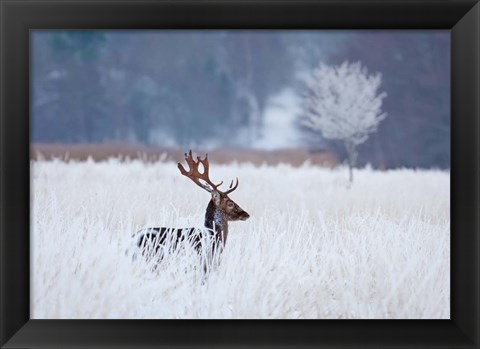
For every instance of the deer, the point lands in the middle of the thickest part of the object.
(220, 210)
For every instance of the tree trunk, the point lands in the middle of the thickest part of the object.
(352, 158)
(350, 177)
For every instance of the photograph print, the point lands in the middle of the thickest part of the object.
(240, 174)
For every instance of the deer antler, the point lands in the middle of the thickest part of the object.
(194, 174)
(232, 188)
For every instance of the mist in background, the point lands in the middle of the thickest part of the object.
(235, 89)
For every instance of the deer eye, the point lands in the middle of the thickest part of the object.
(230, 204)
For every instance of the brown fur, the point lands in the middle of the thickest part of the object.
(220, 210)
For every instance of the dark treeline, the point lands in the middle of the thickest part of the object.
(210, 88)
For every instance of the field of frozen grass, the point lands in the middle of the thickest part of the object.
(312, 248)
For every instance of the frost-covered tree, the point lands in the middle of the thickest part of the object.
(343, 103)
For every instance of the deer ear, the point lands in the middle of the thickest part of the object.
(216, 197)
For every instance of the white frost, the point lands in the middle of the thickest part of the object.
(311, 249)
(343, 102)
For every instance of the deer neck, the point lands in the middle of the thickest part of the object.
(216, 220)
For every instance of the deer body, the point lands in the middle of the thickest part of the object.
(220, 210)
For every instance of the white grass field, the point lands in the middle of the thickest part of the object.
(311, 249)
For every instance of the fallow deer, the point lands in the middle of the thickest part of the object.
(220, 210)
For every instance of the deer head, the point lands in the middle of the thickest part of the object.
(220, 199)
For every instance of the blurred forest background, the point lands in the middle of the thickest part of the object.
(234, 90)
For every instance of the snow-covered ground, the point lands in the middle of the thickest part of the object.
(311, 249)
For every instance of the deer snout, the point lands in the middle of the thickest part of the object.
(244, 216)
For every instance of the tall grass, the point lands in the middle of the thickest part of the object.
(311, 249)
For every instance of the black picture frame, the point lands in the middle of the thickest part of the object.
(18, 17)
